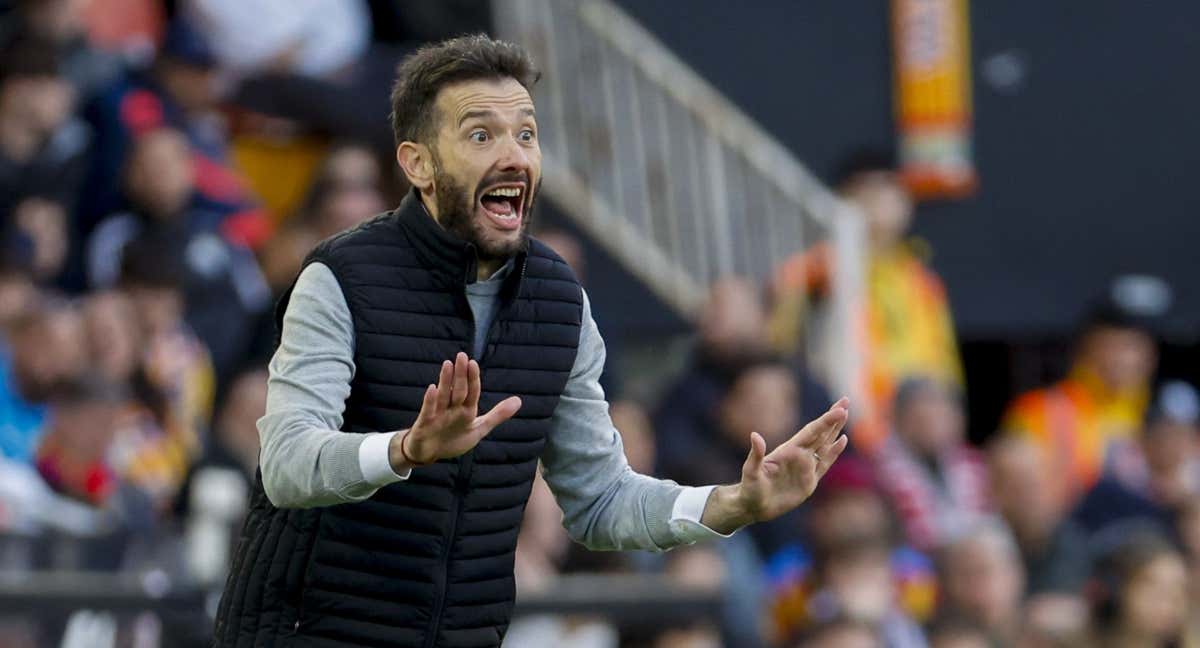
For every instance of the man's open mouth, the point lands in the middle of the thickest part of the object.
(504, 204)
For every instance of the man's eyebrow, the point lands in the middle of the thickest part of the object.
(475, 114)
(528, 112)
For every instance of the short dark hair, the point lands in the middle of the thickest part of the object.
(862, 162)
(153, 260)
(432, 67)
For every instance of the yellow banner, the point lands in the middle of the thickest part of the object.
(930, 42)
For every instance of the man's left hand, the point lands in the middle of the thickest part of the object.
(775, 483)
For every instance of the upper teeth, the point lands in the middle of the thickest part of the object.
(507, 192)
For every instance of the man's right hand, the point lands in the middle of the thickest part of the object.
(449, 424)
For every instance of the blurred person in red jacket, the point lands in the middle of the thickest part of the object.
(73, 455)
(1104, 396)
(903, 324)
(934, 479)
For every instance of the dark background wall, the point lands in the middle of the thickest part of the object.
(1086, 139)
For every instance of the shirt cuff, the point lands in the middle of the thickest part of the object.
(687, 513)
(373, 459)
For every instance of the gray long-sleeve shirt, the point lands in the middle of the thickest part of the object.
(306, 461)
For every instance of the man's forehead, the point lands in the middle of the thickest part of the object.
(499, 95)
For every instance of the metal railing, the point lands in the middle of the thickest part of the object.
(668, 175)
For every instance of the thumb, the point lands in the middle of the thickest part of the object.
(758, 451)
(503, 411)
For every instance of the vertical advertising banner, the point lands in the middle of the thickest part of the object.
(931, 50)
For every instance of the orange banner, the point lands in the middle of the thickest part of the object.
(930, 42)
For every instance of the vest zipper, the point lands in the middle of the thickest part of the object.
(461, 481)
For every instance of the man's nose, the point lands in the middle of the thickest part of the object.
(514, 156)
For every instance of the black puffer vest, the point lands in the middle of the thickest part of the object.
(427, 561)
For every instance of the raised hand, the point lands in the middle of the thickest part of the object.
(775, 483)
(449, 423)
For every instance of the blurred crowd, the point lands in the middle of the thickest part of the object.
(165, 168)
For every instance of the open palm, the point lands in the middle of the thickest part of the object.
(773, 484)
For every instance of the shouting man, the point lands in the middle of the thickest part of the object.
(428, 360)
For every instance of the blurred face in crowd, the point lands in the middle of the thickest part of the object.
(112, 332)
(698, 636)
(1154, 601)
(885, 203)
(733, 321)
(159, 309)
(1171, 448)
(1054, 619)
(1124, 358)
(38, 103)
(44, 222)
(84, 430)
(932, 421)
(159, 177)
(959, 639)
(484, 165)
(845, 635)
(48, 348)
(195, 88)
(983, 580)
(18, 295)
(763, 400)
(351, 166)
(637, 435)
(1022, 490)
(860, 580)
(344, 207)
(849, 515)
(237, 425)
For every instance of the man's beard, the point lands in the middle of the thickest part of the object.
(456, 212)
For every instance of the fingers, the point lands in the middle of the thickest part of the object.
(473, 387)
(444, 386)
(429, 402)
(822, 431)
(758, 451)
(830, 454)
(503, 411)
(459, 394)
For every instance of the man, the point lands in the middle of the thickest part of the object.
(903, 322)
(428, 359)
(1101, 401)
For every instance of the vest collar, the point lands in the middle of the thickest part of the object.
(444, 251)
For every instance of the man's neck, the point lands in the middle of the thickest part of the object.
(484, 269)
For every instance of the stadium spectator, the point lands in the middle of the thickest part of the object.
(843, 633)
(847, 510)
(904, 326)
(73, 455)
(45, 348)
(180, 91)
(955, 633)
(174, 362)
(731, 336)
(934, 480)
(1053, 547)
(224, 289)
(982, 580)
(1151, 476)
(63, 23)
(43, 148)
(1102, 399)
(1141, 595)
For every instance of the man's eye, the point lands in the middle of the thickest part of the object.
(526, 135)
(479, 137)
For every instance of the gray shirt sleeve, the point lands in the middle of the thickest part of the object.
(606, 505)
(305, 460)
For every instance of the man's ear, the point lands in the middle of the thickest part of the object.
(416, 160)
